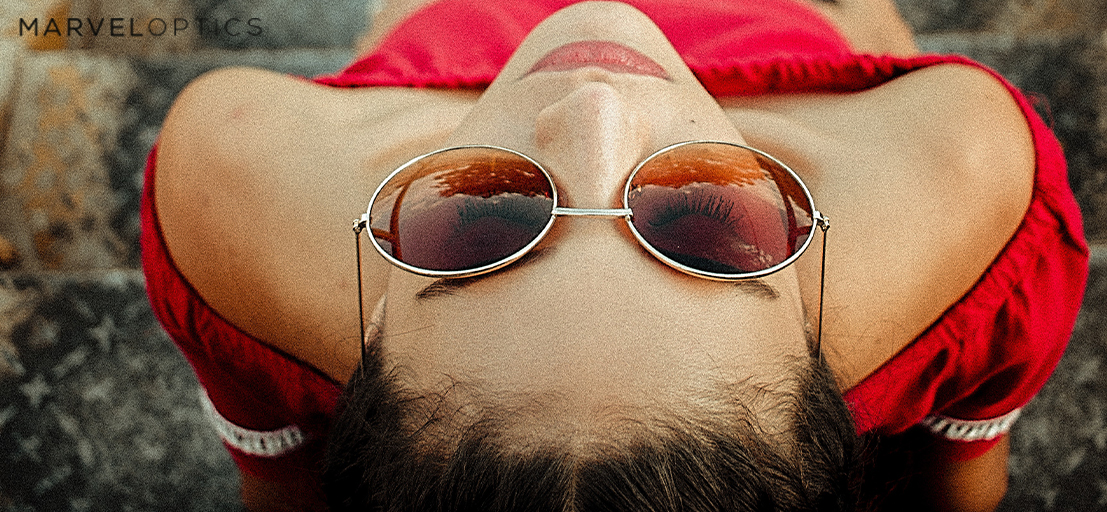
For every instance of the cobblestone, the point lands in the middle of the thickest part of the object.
(99, 410)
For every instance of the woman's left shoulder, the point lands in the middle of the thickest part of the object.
(970, 120)
(974, 118)
(945, 155)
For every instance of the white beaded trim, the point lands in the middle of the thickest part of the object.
(273, 443)
(966, 430)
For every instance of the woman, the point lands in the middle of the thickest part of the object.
(590, 370)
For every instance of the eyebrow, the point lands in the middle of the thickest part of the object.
(450, 285)
(758, 288)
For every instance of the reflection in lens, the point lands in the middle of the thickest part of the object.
(719, 208)
(462, 209)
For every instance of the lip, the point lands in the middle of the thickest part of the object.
(607, 55)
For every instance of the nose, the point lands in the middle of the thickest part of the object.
(590, 140)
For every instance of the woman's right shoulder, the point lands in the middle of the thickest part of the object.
(212, 113)
(217, 94)
(247, 153)
(223, 83)
(222, 106)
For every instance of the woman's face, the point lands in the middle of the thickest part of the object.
(592, 322)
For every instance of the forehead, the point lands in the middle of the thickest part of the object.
(536, 416)
(592, 342)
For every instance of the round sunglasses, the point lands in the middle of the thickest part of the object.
(714, 210)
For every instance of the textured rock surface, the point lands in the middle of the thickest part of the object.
(66, 115)
(1059, 446)
(98, 410)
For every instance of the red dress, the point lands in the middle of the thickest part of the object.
(965, 378)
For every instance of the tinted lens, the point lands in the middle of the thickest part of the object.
(462, 209)
(719, 209)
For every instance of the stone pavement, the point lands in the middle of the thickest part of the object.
(98, 410)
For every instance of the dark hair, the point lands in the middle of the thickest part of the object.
(379, 460)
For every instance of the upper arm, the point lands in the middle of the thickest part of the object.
(974, 485)
(260, 495)
(918, 472)
(240, 159)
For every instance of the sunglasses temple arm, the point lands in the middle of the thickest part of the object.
(824, 224)
(359, 226)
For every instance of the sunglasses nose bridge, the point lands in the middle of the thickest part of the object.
(591, 212)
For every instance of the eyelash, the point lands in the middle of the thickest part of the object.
(508, 208)
(711, 206)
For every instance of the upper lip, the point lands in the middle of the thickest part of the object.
(607, 55)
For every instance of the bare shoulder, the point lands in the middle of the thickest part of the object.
(965, 128)
(225, 153)
(206, 146)
(972, 119)
(201, 112)
(963, 164)
(990, 157)
(926, 178)
(231, 131)
(230, 108)
(230, 86)
(258, 177)
(222, 118)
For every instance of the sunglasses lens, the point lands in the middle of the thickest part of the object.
(462, 209)
(720, 209)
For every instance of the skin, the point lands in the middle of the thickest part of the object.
(590, 321)
(590, 126)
